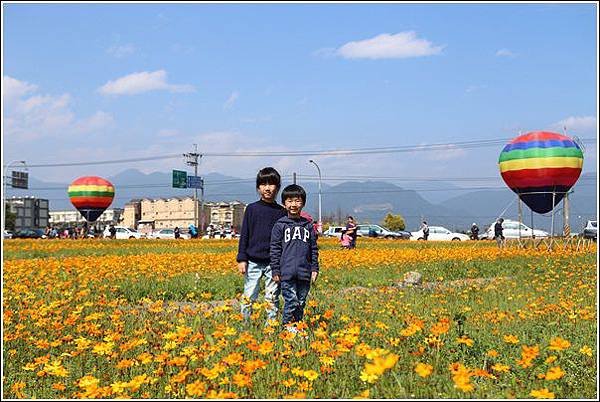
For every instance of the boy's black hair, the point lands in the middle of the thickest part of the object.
(293, 190)
(268, 175)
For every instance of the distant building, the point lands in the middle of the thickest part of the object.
(149, 214)
(132, 213)
(227, 214)
(74, 218)
(31, 212)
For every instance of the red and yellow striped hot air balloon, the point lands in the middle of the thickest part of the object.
(91, 195)
(541, 167)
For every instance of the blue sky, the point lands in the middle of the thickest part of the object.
(111, 81)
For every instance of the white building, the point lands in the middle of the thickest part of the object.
(31, 212)
(73, 217)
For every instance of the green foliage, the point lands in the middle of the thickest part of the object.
(10, 218)
(394, 222)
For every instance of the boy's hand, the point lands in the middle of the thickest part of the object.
(277, 278)
(242, 265)
(313, 277)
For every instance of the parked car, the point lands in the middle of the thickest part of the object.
(223, 234)
(29, 234)
(591, 230)
(380, 231)
(334, 231)
(510, 230)
(439, 233)
(8, 234)
(124, 233)
(167, 234)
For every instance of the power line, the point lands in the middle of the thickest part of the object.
(345, 178)
(329, 152)
(107, 162)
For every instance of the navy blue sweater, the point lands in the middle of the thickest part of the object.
(255, 238)
(294, 252)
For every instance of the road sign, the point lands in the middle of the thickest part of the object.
(20, 179)
(179, 179)
(195, 182)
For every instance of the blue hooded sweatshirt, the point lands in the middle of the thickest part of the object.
(294, 252)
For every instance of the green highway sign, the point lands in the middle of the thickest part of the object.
(179, 179)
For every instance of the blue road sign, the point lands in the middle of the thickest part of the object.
(194, 182)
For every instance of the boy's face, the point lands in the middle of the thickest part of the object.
(267, 192)
(293, 205)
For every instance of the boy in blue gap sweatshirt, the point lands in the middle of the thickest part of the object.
(294, 254)
(253, 250)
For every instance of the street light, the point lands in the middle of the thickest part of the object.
(320, 224)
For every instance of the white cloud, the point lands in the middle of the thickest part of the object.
(577, 124)
(13, 88)
(231, 100)
(96, 122)
(31, 116)
(389, 46)
(505, 53)
(119, 51)
(141, 82)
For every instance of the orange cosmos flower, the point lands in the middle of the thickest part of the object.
(555, 373)
(559, 344)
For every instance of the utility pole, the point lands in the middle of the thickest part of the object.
(192, 160)
(320, 224)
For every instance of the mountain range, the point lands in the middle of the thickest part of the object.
(443, 204)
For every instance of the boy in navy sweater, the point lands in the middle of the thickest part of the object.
(253, 251)
(294, 254)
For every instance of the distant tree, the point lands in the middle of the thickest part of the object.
(10, 218)
(394, 222)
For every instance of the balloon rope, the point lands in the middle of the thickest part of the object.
(505, 209)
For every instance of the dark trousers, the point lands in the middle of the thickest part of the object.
(294, 293)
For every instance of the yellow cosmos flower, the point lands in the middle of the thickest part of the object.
(586, 350)
(362, 395)
(423, 370)
(511, 339)
(465, 340)
(501, 368)
(310, 375)
(542, 394)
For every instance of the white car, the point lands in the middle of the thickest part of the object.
(510, 230)
(7, 235)
(223, 234)
(439, 233)
(167, 234)
(124, 233)
(334, 231)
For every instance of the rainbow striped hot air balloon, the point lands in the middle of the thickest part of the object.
(91, 195)
(537, 164)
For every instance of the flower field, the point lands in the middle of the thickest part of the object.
(160, 319)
